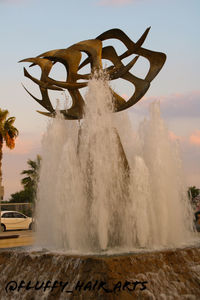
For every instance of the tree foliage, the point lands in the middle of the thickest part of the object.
(29, 182)
(193, 192)
(23, 196)
(32, 174)
(8, 134)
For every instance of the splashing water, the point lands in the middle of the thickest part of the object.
(89, 200)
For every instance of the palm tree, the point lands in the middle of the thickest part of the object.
(8, 134)
(193, 192)
(32, 177)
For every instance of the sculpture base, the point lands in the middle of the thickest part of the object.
(169, 274)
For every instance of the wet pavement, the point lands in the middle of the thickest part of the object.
(19, 238)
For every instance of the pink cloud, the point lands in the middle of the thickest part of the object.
(195, 138)
(24, 145)
(173, 136)
(189, 155)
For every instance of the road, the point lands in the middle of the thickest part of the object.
(20, 238)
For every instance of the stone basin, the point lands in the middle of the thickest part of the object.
(166, 274)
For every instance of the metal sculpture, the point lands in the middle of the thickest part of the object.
(71, 58)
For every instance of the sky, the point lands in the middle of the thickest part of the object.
(30, 27)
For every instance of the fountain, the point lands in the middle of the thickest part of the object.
(103, 197)
(113, 219)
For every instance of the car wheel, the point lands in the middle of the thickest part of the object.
(30, 226)
(3, 228)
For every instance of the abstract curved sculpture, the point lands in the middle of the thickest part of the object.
(71, 58)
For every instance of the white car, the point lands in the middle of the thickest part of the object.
(13, 220)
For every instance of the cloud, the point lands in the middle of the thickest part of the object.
(174, 106)
(174, 137)
(24, 144)
(182, 105)
(192, 139)
(190, 156)
(195, 138)
(181, 113)
(115, 2)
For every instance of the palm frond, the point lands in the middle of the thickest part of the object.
(32, 174)
(10, 142)
(3, 115)
(28, 172)
(7, 131)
